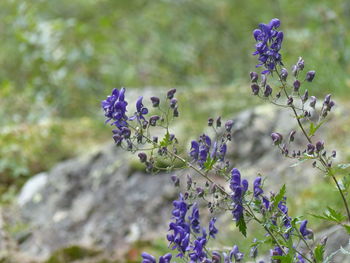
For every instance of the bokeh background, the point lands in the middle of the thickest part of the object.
(59, 59)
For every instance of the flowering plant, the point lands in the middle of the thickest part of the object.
(289, 237)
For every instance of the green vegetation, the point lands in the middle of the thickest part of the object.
(60, 58)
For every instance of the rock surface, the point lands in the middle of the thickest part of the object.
(101, 200)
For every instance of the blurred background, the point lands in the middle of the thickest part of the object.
(59, 59)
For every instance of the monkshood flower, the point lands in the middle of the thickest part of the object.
(147, 258)
(307, 233)
(115, 108)
(277, 251)
(212, 229)
(234, 254)
(140, 110)
(194, 219)
(257, 187)
(269, 43)
(238, 188)
(204, 148)
(199, 254)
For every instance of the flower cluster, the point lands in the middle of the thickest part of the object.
(115, 110)
(203, 149)
(269, 43)
(238, 188)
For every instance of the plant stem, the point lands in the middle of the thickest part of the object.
(320, 158)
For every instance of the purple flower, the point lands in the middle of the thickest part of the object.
(307, 233)
(171, 93)
(276, 138)
(269, 43)
(194, 150)
(115, 108)
(254, 76)
(155, 101)
(194, 219)
(255, 88)
(212, 229)
(236, 254)
(277, 251)
(140, 110)
(147, 258)
(198, 253)
(257, 187)
(310, 76)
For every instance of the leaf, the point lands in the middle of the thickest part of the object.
(279, 197)
(242, 227)
(347, 228)
(313, 129)
(284, 259)
(319, 253)
(209, 163)
(331, 215)
(343, 165)
(166, 140)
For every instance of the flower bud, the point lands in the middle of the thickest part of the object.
(276, 138)
(290, 101)
(171, 93)
(155, 101)
(310, 149)
(300, 64)
(175, 180)
(327, 99)
(267, 91)
(153, 120)
(284, 74)
(312, 101)
(255, 88)
(305, 97)
(218, 122)
(319, 146)
(334, 154)
(254, 76)
(210, 122)
(143, 157)
(155, 139)
(228, 125)
(176, 112)
(291, 136)
(310, 76)
(296, 85)
(173, 103)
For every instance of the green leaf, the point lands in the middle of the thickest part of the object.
(166, 140)
(284, 259)
(242, 227)
(347, 228)
(209, 163)
(331, 215)
(343, 165)
(313, 129)
(319, 253)
(279, 197)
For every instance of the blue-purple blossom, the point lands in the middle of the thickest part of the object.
(238, 188)
(212, 229)
(277, 251)
(307, 233)
(236, 254)
(194, 219)
(147, 258)
(203, 148)
(269, 43)
(140, 110)
(257, 187)
(198, 253)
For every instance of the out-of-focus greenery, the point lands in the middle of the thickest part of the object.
(60, 58)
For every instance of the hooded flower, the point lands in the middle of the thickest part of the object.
(269, 43)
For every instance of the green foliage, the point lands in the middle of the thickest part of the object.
(319, 253)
